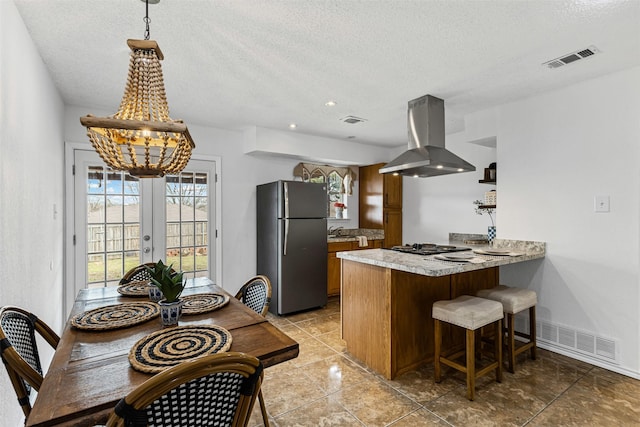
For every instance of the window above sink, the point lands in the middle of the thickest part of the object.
(339, 185)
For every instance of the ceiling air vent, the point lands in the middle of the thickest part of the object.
(352, 120)
(572, 57)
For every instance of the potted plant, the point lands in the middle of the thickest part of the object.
(171, 284)
(488, 209)
(155, 271)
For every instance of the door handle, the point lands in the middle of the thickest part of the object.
(146, 250)
(286, 236)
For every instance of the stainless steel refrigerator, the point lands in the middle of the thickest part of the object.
(292, 243)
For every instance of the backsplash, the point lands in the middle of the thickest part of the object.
(369, 233)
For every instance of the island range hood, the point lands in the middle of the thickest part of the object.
(426, 155)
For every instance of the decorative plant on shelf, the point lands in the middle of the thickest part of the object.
(165, 278)
(339, 205)
(481, 209)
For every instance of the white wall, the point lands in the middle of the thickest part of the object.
(433, 207)
(31, 172)
(555, 152)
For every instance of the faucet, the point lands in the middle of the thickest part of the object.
(334, 230)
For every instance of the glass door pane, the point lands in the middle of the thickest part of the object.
(113, 225)
(187, 218)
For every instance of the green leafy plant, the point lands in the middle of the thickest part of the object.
(165, 278)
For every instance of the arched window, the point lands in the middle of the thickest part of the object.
(339, 181)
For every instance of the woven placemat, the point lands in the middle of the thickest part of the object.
(135, 289)
(203, 303)
(116, 316)
(168, 347)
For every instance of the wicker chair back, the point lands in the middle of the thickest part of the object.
(20, 351)
(256, 294)
(215, 390)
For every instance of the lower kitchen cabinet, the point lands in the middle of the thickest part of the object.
(333, 262)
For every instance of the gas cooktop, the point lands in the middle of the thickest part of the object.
(428, 248)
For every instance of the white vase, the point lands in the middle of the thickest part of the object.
(154, 293)
(170, 312)
(339, 213)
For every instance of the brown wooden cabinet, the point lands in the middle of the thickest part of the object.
(333, 262)
(386, 313)
(380, 203)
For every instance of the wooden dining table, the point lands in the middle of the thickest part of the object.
(90, 370)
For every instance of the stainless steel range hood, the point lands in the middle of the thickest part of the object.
(426, 155)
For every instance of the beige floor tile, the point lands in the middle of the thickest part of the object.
(335, 373)
(375, 403)
(320, 325)
(333, 340)
(294, 332)
(312, 350)
(490, 408)
(420, 418)
(593, 401)
(419, 385)
(288, 391)
(325, 412)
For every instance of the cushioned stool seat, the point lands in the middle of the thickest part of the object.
(515, 300)
(470, 313)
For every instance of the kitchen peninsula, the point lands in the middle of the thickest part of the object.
(386, 300)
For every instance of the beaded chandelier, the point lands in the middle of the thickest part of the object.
(141, 138)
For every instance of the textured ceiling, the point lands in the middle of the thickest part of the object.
(268, 63)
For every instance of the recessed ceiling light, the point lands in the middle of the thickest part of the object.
(439, 167)
(460, 170)
(416, 176)
(293, 126)
(330, 103)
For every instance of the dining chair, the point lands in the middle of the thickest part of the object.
(214, 390)
(19, 351)
(137, 274)
(256, 294)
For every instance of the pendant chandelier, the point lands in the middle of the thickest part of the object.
(141, 138)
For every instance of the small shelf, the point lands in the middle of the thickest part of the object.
(487, 181)
(486, 206)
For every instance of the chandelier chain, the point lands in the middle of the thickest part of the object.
(147, 20)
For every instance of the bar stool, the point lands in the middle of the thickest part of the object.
(515, 300)
(471, 313)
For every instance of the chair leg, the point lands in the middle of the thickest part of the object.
(511, 342)
(263, 409)
(498, 351)
(437, 344)
(532, 330)
(471, 364)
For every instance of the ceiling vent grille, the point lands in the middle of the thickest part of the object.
(571, 57)
(352, 120)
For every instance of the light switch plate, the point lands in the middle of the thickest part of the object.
(601, 203)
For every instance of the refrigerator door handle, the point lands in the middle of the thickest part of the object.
(286, 200)
(286, 236)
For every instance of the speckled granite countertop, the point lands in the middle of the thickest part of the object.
(351, 235)
(429, 265)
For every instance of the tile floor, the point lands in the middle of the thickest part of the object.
(324, 386)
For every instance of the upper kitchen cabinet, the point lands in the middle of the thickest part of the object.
(381, 203)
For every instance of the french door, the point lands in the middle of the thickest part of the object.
(121, 221)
